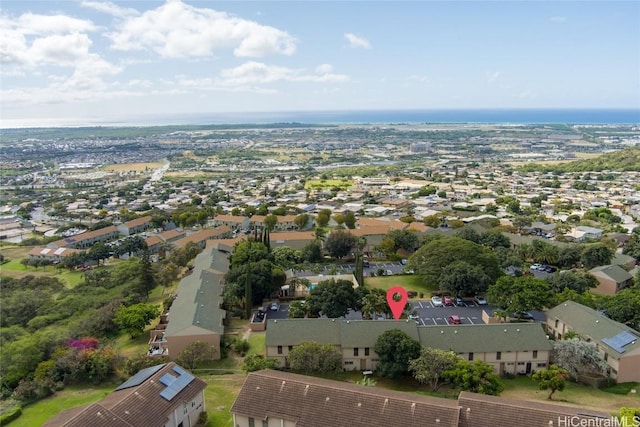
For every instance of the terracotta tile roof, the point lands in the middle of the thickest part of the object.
(152, 241)
(138, 221)
(292, 235)
(316, 402)
(85, 236)
(478, 410)
(170, 234)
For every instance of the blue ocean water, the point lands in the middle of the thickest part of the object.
(513, 116)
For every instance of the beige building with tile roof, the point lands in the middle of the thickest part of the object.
(618, 344)
(611, 279)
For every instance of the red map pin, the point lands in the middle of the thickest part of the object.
(397, 299)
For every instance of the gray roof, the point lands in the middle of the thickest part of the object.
(486, 338)
(296, 331)
(200, 295)
(364, 333)
(615, 272)
(590, 324)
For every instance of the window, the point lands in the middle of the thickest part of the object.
(366, 351)
(265, 423)
(535, 354)
(252, 422)
(348, 362)
(290, 347)
(557, 323)
(470, 356)
(520, 363)
(355, 351)
(279, 349)
(499, 355)
(541, 365)
(606, 357)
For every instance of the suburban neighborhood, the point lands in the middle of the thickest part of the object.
(159, 263)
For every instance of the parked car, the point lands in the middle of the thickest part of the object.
(454, 320)
(459, 302)
(480, 300)
(274, 306)
(447, 300)
(538, 267)
(523, 315)
(388, 273)
(414, 317)
(436, 301)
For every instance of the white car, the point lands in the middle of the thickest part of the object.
(537, 266)
(437, 301)
(275, 306)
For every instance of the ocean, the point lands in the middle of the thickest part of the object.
(506, 116)
(476, 116)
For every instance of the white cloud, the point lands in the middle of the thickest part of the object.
(420, 78)
(357, 42)
(177, 30)
(493, 77)
(32, 24)
(110, 9)
(324, 68)
(558, 19)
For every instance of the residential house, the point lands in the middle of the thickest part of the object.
(135, 226)
(164, 395)
(196, 314)
(611, 279)
(234, 222)
(201, 237)
(303, 291)
(291, 239)
(618, 344)
(50, 254)
(583, 233)
(509, 347)
(173, 235)
(272, 398)
(282, 399)
(87, 239)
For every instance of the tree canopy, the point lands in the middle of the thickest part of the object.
(431, 259)
(554, 379)
(395, 349)
(136, 317)
(312, 357)
(518, 294)
(340, 243)
(430, 366)
(476, 377)
(333, 298)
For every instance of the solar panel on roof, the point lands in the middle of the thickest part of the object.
(618, 342)
(177, 385)
(167, 379)
(45, 251)
(59, 251)
(140, 377)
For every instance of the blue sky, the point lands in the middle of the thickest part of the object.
(88, 59)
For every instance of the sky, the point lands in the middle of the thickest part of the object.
(89, 60)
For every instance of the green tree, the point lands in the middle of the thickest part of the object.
(99, 251)
(596, 255)
(632, 247)
(196, 353)
(395, 349)
(297, 310)
(350, 220)
(569, 256)
(579, 281)
(476, 377)
(624, 307)
(258, 362)
(340, 243)
(323, 217)
(134, 318)
(312, 252)
(495, 239)
(286, 257)
(301, 221)
(553, 379)
(333, 298)
(312, 357)
(431, 259)
(430, 366)
(460, 277)
(517, 294)
(270, 222)
(468, 233)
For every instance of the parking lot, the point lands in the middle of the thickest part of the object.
(428, 315)
(393, 267)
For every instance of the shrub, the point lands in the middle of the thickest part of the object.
(203, 418)
(241, 347)
(10, 416)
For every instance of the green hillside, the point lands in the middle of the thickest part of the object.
(620, 161)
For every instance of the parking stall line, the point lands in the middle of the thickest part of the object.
(423, 324)
(420, 303)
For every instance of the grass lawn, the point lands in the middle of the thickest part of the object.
(410, 282)
(16, 270)
(133, 167)
(523, 387)
(72, 396)
(317, 184)
(219, 395)
(257, 342)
